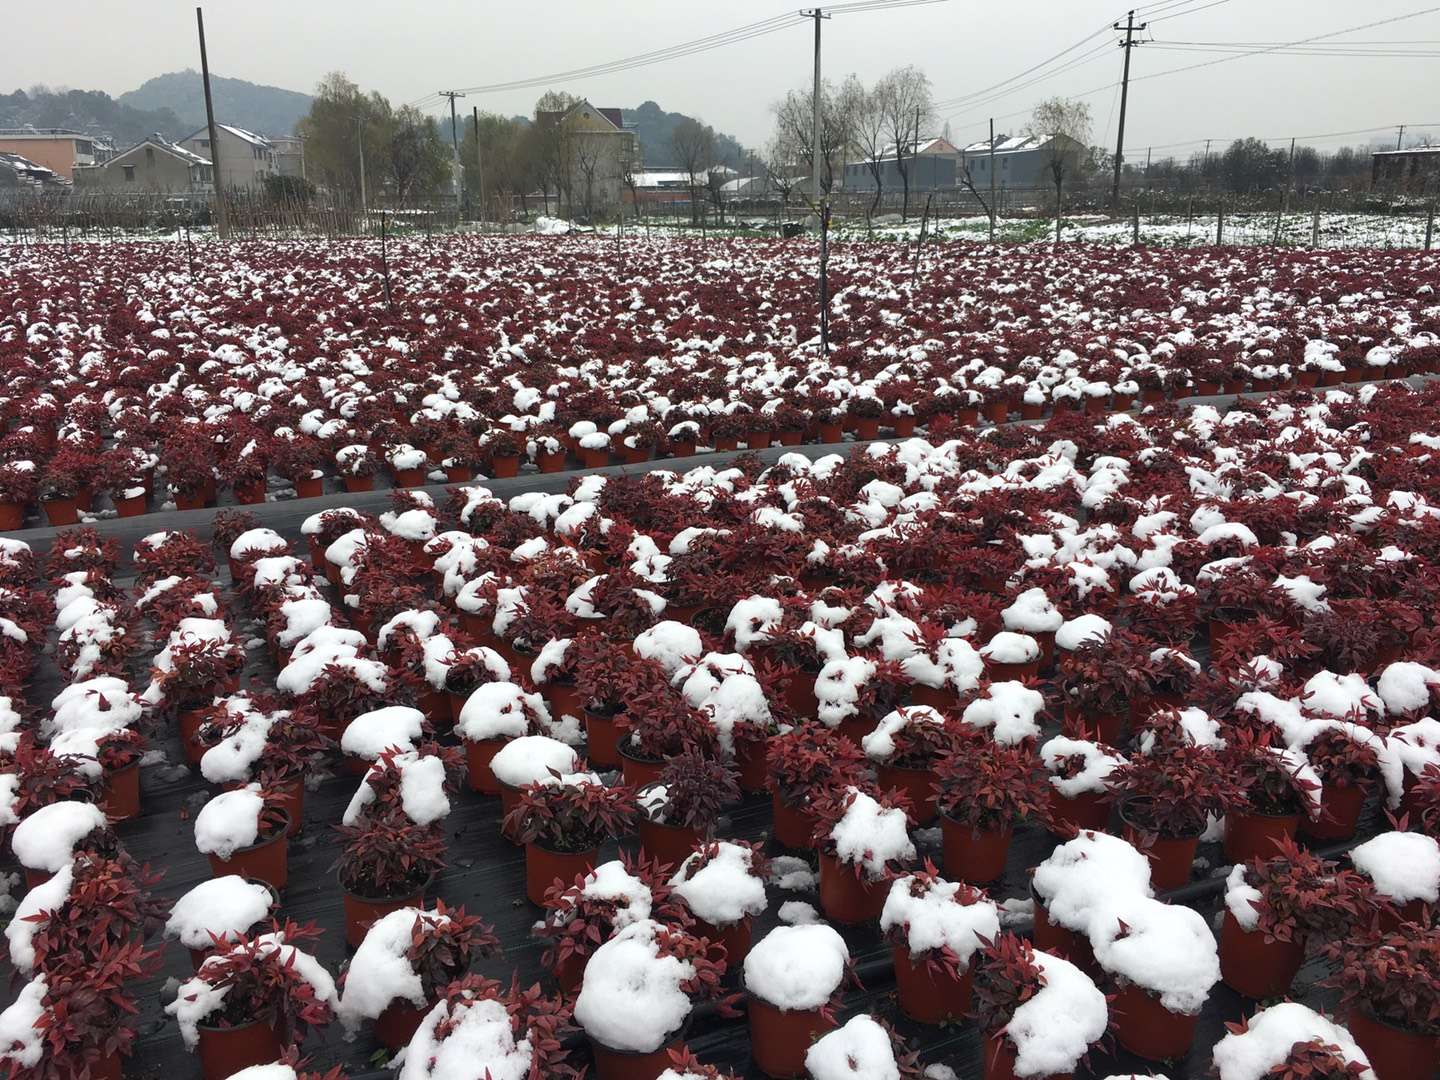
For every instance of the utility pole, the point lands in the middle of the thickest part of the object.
(479, 163)
(222, 216)
(817, 14)
(993, 209)
(455, 145)
(360, 136)
(1400, 138)
(1128, 44)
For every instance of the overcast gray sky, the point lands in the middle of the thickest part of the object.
(409, 50)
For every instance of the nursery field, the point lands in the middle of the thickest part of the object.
(913, 741)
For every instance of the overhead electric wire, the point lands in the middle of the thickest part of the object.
(1189, 11)
(1020, 75)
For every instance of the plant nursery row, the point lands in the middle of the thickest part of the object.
(1104, 747)
(134, 382)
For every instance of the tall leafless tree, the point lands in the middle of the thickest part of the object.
(1065, 124)
(908, 107)
(794, 127)
(694, 145)
(869, 139)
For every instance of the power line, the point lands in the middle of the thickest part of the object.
(1190, 11)
(1048, 60)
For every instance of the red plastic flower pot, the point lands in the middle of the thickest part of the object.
(1094, 406)
(929, 993)
(291, 797)
(562, 698)
(751, 757)
(800, 696)
(357, 484)
(916, 785)
(12, 515)
(1171, 857)
(973, 855)
(544, 867)
(477, 761)
(1145, 1027)
(855, 728)
(780, 1038)
(759, 439)
(594, 458)
(267, 861)
(682, 448)
(1122, 402)
(1206, 388)
(1249, 836)
(831, 433)
(62, 512)
(667, 843)
(726, 443)
(936, 697)
(397, 1024)
(250, 494)
(638, 771)
(224, 1051)
(613, 1064)
(120, 793)
(509, 799)
(36, 878)
(847, 897)
(1395, 1053)
(361, 912)
(132, 507)
(1340, 809)
(1011, 672)
(459, 474)
(408, 478)
(309, 487)
(1255, 967)
(997, 412)
(867, 427)
(602, 740)
(736, 937)
(1049, 936)
(793, 824)
(904, 424)
(193, 501)
(1032, 410)
(505, 466)
(792, 437)
(1088, 810)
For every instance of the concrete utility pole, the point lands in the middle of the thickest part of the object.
(479, 160)
(817, 14)
(993, 209)
(222, 216)
(360, 136)
(1400, 138)
(1128, 44)
(455, 143)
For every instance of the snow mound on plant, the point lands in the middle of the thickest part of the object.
(225, 906)
(379, 972)
(1053, 1030)
(1166, 949)
(670, 644)
(228, 822)
(1404, 866)
(393, 727)
(723, 891)
(861, 1050)
(1008, 710)
(480, 1042)
(23, 926)
(879, 745)
(45, 840)
(1271, 1034)
(422, 789)
(23, 1042)
(934, 920)
(533, 759)
(871, 835)
(1084, 876)
(631, 996)
(797, 967)
(1096, 765)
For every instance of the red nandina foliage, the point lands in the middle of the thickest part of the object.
(1313, 1060)
(921, 743)
(179, 554)
(109, 905)
(571, 816)
(697, 790)
(1102, 676)
(1270, 784)
(45, 777)
(608, 674)
(387, 855)
(200, 669)
(261, 980)
(1004, 977)
(1172, 790)
(82, 549)
(1396, 974)
(443, 943)
(229, 525)
(578, 921)
(534, 1018)
(660, 725)
(1341, 760)
(1303, 897)
(810, 759)
(987, 785)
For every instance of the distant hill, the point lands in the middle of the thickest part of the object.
(268, 110)
(654, 126)
(91, 111)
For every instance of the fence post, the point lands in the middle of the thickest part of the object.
(1135, 232)
(1315, 226)
(1189, 217)
(1220, 221)
(1430, 225)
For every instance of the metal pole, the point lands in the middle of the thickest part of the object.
(455, 146)
(1128, 44)
(817, 14)
(993, 208)
(222, 216)
(360, 129)
(479, 163)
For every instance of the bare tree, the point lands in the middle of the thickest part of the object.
(780, 172)
(588, 154)
(794, 128)
(694, 145)
(1064, 124)
(869, 137)
(554, 148)
(908, 107)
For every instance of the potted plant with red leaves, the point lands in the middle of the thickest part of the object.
(176, 554)
(82, 549)
(1099, 681)
(107, 903)
(19, 485)
(684, 1065)
(189, 472)
(1278, 787)
(521, 1031)
(1315, 1059)
(863, 840)
(804, 764)
(680, 810)
(854, 692)
(1230, 600)
(657, 726)
(906, 746)
(387, 862)
(982, 790)
(638, 443)
(246, 832)
(119, 754)
(299, 459)
(934, 927)
(344, 690)
(73, 1020)
(1274, 907)
(502, 449)
(293, 744)
(1390, 984)
(58, 491)
(43, 777)
(356, 467)
(435, 947)
(248, 1004)
(245, 467)
(1345, 759)
(794, 978)
(637, 995)
(562, 826)
(607, 675)
(201, 669)
(1080, 795)
(583, 914)
(1008, 974)
(722, 883)
(1167, 797)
